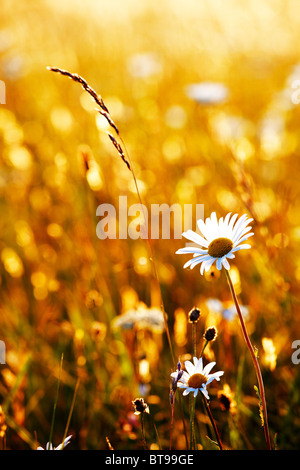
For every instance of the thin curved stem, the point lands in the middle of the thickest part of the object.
(143, 431)
(207, 407)
(255, 362)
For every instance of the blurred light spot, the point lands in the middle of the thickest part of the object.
(141, 185)
(115, 106)
(280, 240)
(13, 134)
(143, 65)
(93, 177)
(20, 157)
(227, 199)
(101, 123)
(39, 198)
(144, 370)
(61, 162)
(263, 210)
(87, 102)
(235, 277)
(141, 265)
(198, 175)
(53, 285)
(172, 149)
(227, 128)
(243, 149)
(176, 117)
(61, 119)
(54, 230)
(24, 235)
(295, 233)
(185, 191)
(12, 262)
(271, 136)
(40, 292)
(180, 327)
(129, 298)
(81, 361)
(38, 279)
(167, 273)
(270, 356)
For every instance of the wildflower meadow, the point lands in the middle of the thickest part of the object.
(150, 226)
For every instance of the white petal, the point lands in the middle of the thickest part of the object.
(233, 219)
(202, 227)
(182, 385)
(191, 249)
(196, 238)
(195, 360)
(225, 263)
(239, 224)
(227, 218)
(196, 392)
(219, 264)
(185, 377)
(199, 366)
(192, 261)
(240, 233)
(199, 260)
(204, 391)
(189, 367)
(214, 226)
(243, 238)
(202, 268)
(208, 368)
(241, 247)
(209, 263)
(215, 376)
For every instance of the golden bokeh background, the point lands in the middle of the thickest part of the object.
(62, 289)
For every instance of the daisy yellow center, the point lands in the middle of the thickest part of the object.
(219, 247)
(196, 380)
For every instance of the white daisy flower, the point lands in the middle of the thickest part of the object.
(196, 377)
(61, 446)
(220, 240)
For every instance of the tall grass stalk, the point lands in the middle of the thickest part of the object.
(208, 410)
(55, 402)
(255, 362)
(70, 413)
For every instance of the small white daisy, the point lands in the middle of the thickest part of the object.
(220, 240)
(196, 377)
(61, 446)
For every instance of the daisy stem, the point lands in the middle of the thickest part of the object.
(207, 407)
(143, 431)
(254, 359)
(70, 413)
(172, 421)
(206, 404)
(194, 339)
(156, 432)
(192, 422)
(193, 399)
(55, 402)
(205, 344)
